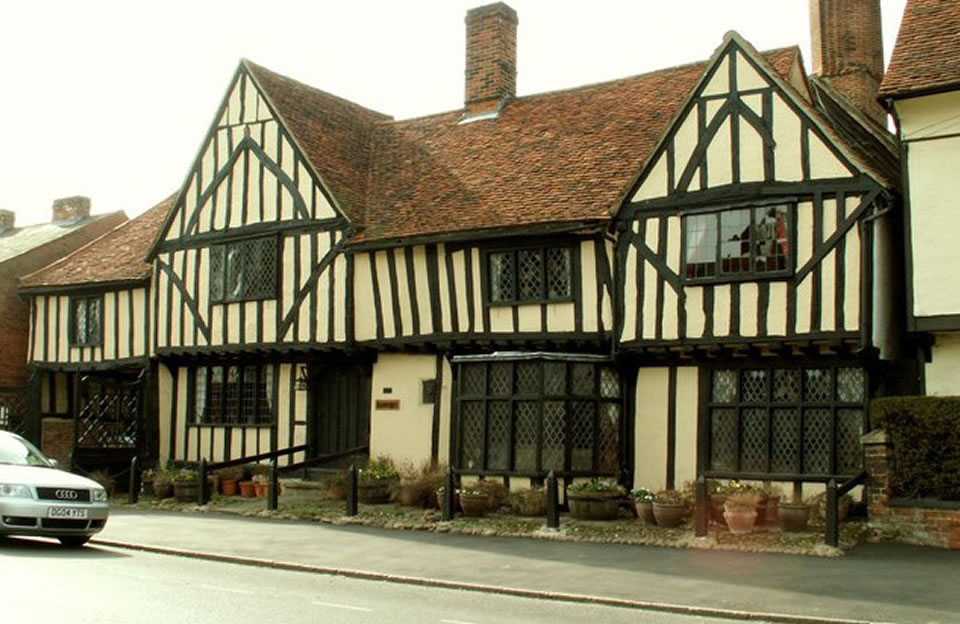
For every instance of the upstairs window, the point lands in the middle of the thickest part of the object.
(741, 242)
(530, 275)
(244, 270)
(86, 321)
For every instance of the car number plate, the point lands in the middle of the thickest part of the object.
(67, 512)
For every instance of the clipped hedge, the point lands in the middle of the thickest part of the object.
(925, 434)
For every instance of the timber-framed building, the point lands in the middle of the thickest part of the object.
(686, 272)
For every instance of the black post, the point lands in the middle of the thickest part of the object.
(553, 502)
(703, 505)
(832, 537)
(352, 490)
(449, 496)
(202, 490)
(272, 498)
(134, 480)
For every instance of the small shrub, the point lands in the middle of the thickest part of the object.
(418, 486)
(670, 497)
(642, 495)
(377, 468)
(598, 486)
(495, 491)
(532, 502)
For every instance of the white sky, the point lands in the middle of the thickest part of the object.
(112, 99)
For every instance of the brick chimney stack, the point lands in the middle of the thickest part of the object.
(847, 43)
(70, 207)
(7, 219)
(491, 71)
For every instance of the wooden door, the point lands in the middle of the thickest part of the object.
(340, 411)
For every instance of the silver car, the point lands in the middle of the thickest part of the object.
(38, 499)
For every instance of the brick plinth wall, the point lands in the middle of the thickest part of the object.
(56, 439)
(928, 523)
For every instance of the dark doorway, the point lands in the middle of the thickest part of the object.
(340, 410)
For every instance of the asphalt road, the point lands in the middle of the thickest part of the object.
(42, 582)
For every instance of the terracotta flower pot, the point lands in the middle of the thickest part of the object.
(793, 517)
(716, 508)
(669, 514)
(262, 490)
(162, 490)
(474, 504)
(770, 511)
(645, 511)
(740, 519)
(247, 490)
(594, 505)
(228, 487)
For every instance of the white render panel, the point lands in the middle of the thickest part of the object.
(749, 294)
(777, 309)
(786, 135)
(720, 82)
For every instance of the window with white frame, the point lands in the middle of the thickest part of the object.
(738, 242)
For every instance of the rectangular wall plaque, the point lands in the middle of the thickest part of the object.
(388, 404)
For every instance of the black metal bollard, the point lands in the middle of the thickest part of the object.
(134, 481)
(273, 497)
(832, 536)
(703, 506)
(447, 510)
(202, 489)
(352, 490)
(553, 502)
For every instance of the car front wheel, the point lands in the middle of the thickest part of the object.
(74, 541)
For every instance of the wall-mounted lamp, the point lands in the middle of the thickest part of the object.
(303, 378)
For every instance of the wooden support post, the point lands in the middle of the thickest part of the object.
(202, 489)
(273, 496)
(134, 480)
(832, 537)
(553, 502)
(702, 507)
(352, 490)
(449, 496)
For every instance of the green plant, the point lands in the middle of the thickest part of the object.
(744, 498)
(185, 475)
(669, 497)
(597, 486)
(230, 473)
(379, 468)
(642, 495)
(771, 490)
(531, 502)
(495, 491)
(418, 486)
(162, 477)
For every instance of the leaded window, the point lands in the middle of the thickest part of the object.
(534, 416)
(233, 395)
(786, 421)
(738, 242)
(529, 275)
(86, 321)
(244, 270)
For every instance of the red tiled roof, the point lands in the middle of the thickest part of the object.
(565, 156)
(927, 53)
(117, 256)
(334, 134)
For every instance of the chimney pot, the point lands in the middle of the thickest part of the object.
(70, 208)
(491, 68)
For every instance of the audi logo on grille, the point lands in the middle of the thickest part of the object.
(67, 494)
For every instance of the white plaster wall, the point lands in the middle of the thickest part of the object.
(650, 431)
(942, 373)
(403, 434)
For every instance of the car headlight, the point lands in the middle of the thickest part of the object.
(99, 495)
(14, 490)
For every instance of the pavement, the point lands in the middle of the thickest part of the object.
(873, 583)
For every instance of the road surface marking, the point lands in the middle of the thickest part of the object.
(454, 622)
(227, 589)
(341, 606)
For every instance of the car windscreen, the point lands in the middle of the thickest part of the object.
(20, 452)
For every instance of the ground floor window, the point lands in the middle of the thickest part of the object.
(802, 420)
(531, 416)
(238, 394)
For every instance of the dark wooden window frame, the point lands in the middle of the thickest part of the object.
(707, 405)
(243, 246)
(89, 338)
(213, 411)
(742, 276)
(540, 397)
(571, 246)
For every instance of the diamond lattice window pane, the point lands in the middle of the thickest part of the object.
(95, 322)
(248, 398)
(558, 272)
(554, 378)
(786, 385)
(80, 322)
(471, 434)
(235, 275)
(582, 379)
(501, 276)
(816, 385)
(754, 385)
(609, 383)
(231, 395)
(525, 451)
(849, 451)
(554, 437)
(753, 440)
(199, 394)
(529, 274)
(216, 273)
(723, 439)
(260, 268)
(724, 386)
(471, 382)
(498, 435)
(501, 378)
(215, 395)
(850, 385)
(608, 448)
(785, 440)
(581, 431)
(816, 441)
(528, 378)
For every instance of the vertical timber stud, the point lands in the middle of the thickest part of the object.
(448, 495)
(352, 490)
(553, 503)
(701, 508)
(274, 494)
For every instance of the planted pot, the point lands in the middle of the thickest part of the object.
(375, 491)
(187, 491)
(793, 517)
(669, 514)
(770, 511)
(740, 519)
(262, 490)
(162, 489)
(716, 508)
(456, 498)
(594, 505)
(228, 487)
(247, 490)
(645, 511)
(474, 504)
